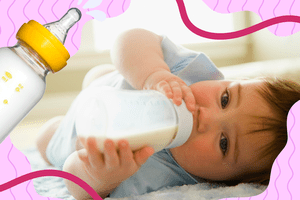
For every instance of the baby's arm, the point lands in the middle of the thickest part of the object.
(138, 56)
(103, 171)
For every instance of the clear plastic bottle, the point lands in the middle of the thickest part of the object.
(143, 117)
(24, 67)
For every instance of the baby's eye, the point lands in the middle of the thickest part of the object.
(223, 144)
(225, 99)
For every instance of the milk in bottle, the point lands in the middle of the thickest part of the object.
(143, 117)
(24, 67)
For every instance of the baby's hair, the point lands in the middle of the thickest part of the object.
(280, 95)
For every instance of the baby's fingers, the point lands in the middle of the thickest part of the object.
(111, 156)
(189, 98)
(142, 155)
(94, 155)
(126, 155)
(83, 156)
(165, 88)
(177, 93)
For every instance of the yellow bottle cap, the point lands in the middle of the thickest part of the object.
(45, 44)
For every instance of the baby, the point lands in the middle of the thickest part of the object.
(239, 126)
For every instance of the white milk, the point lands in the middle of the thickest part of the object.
(23, 67)
(20, 89)
(158, 139)
(143, 117)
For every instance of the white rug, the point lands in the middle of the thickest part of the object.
(55, 187)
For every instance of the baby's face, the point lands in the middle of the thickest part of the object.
(219, 147)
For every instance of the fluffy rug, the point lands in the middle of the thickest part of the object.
(55, 187)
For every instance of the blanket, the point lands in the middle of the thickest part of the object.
(55, 187)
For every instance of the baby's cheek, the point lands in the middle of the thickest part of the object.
(202, 149)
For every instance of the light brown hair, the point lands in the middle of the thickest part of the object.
(280, 94)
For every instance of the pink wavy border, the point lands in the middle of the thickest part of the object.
(235, 34)
(56, 173)
(12, 20)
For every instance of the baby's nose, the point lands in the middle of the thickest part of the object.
(205, 119)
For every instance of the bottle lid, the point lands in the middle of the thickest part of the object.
(185, 126)
(45, 43)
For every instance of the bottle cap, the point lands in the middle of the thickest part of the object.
(185, 126)
(47, 44)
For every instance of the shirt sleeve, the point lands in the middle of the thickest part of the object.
(190, 66)
(177, 57)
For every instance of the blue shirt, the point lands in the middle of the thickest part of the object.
(160, 170)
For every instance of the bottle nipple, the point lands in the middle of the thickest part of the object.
(61, 27)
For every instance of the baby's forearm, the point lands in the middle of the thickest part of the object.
(74, 166)
(137, 54)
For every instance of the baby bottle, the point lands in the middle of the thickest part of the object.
(143, 117)
(23, 67)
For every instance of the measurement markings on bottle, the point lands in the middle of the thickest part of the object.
(7, 76)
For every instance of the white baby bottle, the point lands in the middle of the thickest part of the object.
(23, 67)
(143, 117)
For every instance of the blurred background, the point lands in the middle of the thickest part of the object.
(257, 54)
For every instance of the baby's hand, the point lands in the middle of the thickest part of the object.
(110, 168)
(173, 87)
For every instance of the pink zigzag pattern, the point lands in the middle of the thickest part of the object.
(275, 16)
(266, 194)
(45, 21)
(259, 10)
(72, 37)
(16, 173)
(27, 190)
(13, 15)
(216, 5)
(294, 149)
(24, 10)
(39, 11)
(11, 21)
(229, 6)
(123, 5)
(244, 5)
(108, 8)
(15, 165)
(266, 9)
(53, 11)
(275, 185)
